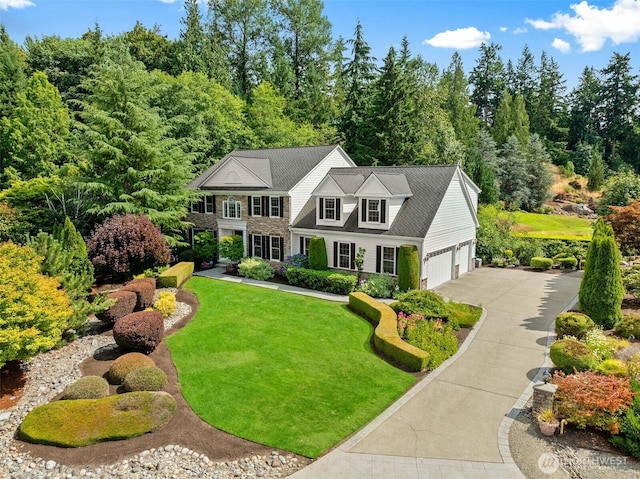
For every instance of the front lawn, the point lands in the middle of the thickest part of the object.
(535, 225)
(289, 371)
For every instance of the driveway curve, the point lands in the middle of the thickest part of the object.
(452, 423)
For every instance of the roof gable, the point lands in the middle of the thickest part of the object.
(385, 185)
(240, 173)
(328, 187)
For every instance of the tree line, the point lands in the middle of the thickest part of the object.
(100, 124)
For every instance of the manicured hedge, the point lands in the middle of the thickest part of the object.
(318, 254)
(408, 267)
(541, 263)
(327, 281)
(385, 337)
(176, 275)
(141, 331)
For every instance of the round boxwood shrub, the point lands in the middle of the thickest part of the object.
(569, 262)
(141, 331)
(572, 323)
(125, 304)
(408, 267)
(628, 325)
(144, 293)
(145, 378)
(88, 387)
(568, 354)
(318, 254)
(541, 263)
(122, 366)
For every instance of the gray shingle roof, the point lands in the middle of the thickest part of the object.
(288, 165)
(348, 183)
(396, 183)
(427, 183)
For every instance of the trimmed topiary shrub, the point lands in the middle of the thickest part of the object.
(176, 275)
(628, 325)
(327, 281)
(568, 354)
(428, 304)
(126, 363)
(146, 378)
(88, 387)
(141, 331)
(408, 267)
(128, 244)
(574, 324)
(569, 262)
(318, 254)
(88, 421)
(144, 293)
(613, 367)
(125, 304)
(256, 268)
(541, 263)
(166, 303)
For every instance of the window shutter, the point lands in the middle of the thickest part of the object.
(321, 209)
(214, 204)
(201, 205)
(250, 246)
(265, 205)
(353, 256)
(250, 206)
(335, 254)
(338, 209)
(301, 244)
(395, 266)
(378, 258)
(363, 213)
(282, 255)
(383, 211)
(282, 207)
(266, 247)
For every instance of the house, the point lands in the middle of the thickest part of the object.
(278, 199)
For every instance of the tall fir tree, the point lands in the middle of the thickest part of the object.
(584, 123)
(12, 72)
(192, 39)
(488, 80)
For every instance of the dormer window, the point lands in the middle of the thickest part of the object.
(329, 209)
(231, 208)
(373, 211)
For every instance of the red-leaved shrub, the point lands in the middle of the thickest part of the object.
(144, 292)
(128, 244)
(591, 399)
(125, 304)
(141, 331)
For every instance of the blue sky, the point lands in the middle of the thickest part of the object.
(576, 34)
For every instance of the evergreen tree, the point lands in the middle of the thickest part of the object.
(618, 104)
(192, 39)
(549, 104)
(541, 178)
(482, 167)
(33, 139)
(355, 119)
(513, 175)
(150, 47)
(511, 119)
(601, 289)
(597, 169)
(12, 73)
(526, 78)
(488, 80)
(135, 166)
(584, 123)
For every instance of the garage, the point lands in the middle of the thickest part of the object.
(463, 258)
(439, 267)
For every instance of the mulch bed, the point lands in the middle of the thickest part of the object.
(12, 381)
(185, 428)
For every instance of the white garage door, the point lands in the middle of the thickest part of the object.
(439, 267)
(463, 258)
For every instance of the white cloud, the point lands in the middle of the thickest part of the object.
(7, 4)
(168, 1)
(593, 26)
(462, 38)
(561, 45)
(519, 31)
(503, 29)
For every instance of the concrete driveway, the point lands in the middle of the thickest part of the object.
(452, 424)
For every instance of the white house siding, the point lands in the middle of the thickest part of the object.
(301, 192)
(394, 206)
(369, 243)
(453, 224)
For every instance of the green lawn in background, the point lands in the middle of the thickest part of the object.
(535, 225)
(284, 370)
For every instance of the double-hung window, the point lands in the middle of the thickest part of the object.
(373, 211)
(257, 246)
(388, 260)
(275, 206)
(231, 209)
(256, 206)
(210, 204)
(276, 251)
(344, 255)
(329, 208)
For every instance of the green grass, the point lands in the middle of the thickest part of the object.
(535, 225)
(288, 371)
